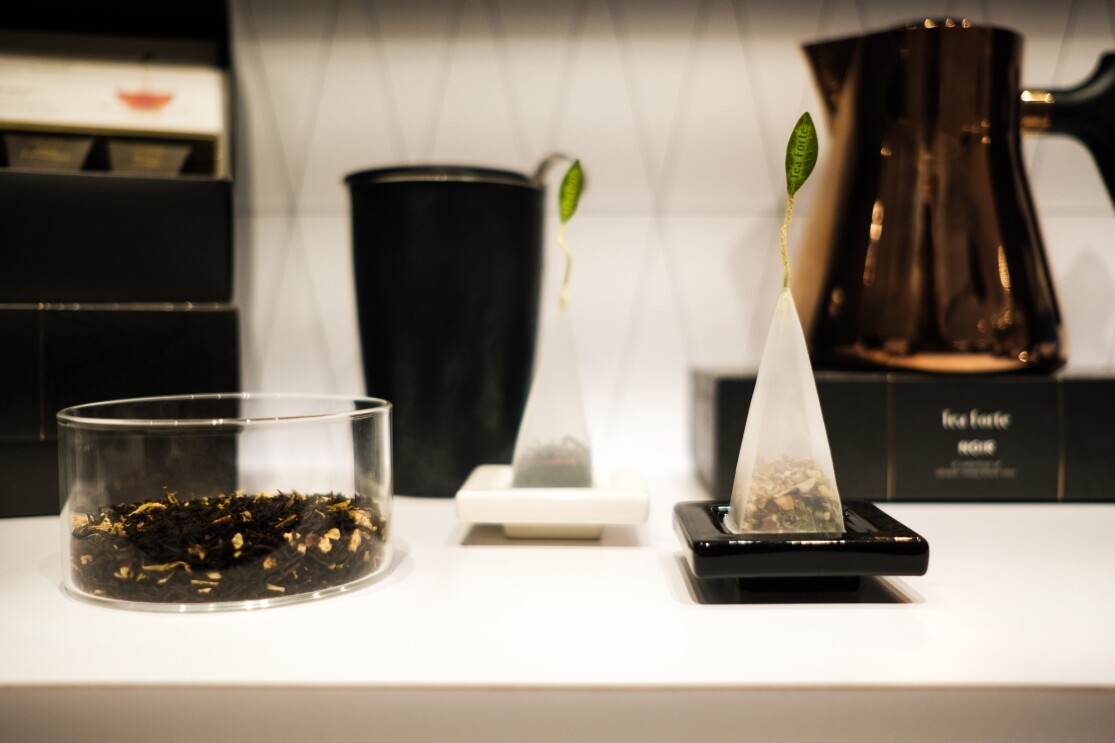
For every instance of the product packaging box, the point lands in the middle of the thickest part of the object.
(910, 437)
(116, 146)
(116, 214)
(57, 357)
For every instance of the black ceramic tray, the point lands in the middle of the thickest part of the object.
(873, 544)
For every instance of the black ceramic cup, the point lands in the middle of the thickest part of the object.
(448, 263)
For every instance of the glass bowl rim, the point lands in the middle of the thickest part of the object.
(83, 416)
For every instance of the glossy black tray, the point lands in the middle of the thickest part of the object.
(873, 544)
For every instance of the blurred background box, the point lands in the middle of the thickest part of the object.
(131, 74)
(116, 273)
(909, 437)
(57, 357)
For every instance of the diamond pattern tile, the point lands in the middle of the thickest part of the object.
(476, 119)
(770, 36)
(1057, 160)
(651, 386)
(352, 128)
(599, 122)
(717, 162)
(418, 42)
(293, 53)
(604, 292)
(1083, 266)
(262, 183)
(679, 111)
(538, 52)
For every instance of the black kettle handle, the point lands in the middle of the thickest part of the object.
(1086, 112)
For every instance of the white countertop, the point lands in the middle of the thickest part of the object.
(1010, 636)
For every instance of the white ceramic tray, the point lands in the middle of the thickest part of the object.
(487, 497)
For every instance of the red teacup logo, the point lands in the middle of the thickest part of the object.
(144, 100)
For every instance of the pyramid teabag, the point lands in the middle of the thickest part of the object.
(552, 449)
(785, 480)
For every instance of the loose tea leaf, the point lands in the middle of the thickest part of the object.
(561, 464)
(225, 548)
(791, 495)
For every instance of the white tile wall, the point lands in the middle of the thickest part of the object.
(679, 110)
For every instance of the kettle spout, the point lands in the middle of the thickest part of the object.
(830, 62)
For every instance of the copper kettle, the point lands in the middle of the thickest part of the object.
(924, 251)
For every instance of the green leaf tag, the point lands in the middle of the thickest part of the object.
(570, 193)
(801, 153)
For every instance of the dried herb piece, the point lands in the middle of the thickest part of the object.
(226, 547)
(791, 495)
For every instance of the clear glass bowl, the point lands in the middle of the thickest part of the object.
(229, 501)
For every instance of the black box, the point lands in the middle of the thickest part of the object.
(95, 235)
(57, 357)
(104, 238)
(911, 437)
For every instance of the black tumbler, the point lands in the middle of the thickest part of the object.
(448, 264)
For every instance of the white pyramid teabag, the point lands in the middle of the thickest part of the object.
(552, 448)
(784, 478)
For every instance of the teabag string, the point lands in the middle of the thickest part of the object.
(552, 449)
(785, 480)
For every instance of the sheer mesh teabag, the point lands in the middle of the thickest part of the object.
(552, 449)
(785, 480)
